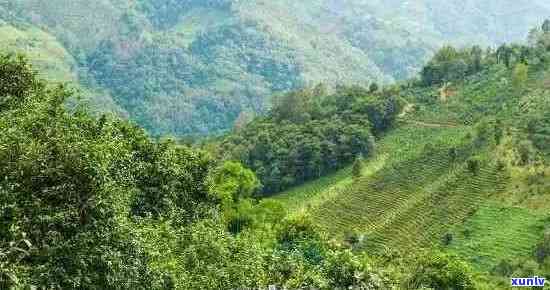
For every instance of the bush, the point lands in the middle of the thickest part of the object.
(447, 239)
(357, 168)
(542, 250)
(439, 271)
(473, 165)
(18, 81)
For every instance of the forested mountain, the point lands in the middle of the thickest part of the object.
(192, 67)
(436, 182)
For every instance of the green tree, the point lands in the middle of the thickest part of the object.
(62, 188)
(440, 271)
(68, 184)
(373, 88)
(504, 55)
(167, 172)
(448, 64)
(520, 75)
(294, 106)
(340, 126)
(357, 167)
(546, 26)
(233, 182)
(18, 81)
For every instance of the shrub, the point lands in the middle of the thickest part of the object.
(440, 271)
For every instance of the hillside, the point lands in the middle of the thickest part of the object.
(464, 170)
(193, 67)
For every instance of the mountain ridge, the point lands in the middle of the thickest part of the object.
(192, 67)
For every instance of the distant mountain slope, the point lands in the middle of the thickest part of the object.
(187, 67)
(56, 64)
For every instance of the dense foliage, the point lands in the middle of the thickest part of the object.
(64, 178)
(310, 133)
(448, 64)
(72, 185)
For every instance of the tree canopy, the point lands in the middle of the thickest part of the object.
(310, 133)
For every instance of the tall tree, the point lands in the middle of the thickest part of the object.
(504, 55)
(233, 182)
(546, 26)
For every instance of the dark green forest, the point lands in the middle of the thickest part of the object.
(310, 133)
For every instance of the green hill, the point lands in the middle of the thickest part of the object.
(414, 196)
(192, 67)
(465, 170)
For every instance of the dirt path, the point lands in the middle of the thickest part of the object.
(431, 125)
(409, 107)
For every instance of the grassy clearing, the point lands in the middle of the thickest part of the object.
(43, 50)
(53, 62)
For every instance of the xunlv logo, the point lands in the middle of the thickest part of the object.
(526, 282)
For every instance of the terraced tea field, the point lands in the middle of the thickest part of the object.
(315, 191)
(421, 191)
(494, 233)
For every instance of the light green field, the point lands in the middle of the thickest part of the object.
(53, 62)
